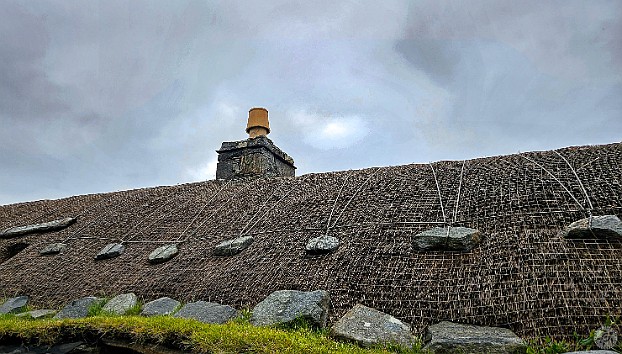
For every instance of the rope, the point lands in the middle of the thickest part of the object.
(350, 200)
(242, 233)
(587, 197)
(558, 181)
(337, 199)
(438, 188)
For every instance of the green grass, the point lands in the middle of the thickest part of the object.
(237, 336)
(232, 337)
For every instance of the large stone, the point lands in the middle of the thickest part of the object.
(110, 251)
(37, 228)
(52, 248)
(322, 245)
(207, 312)
(163, 254)
(286, 306)
(160, 307)
(78, 308)
(367, 327)
(120, 304)
(593, 352)
(448, 337)
(14, 305)
(605, 337)
(233, 247)
(458, 239)
(602, 227)
(37, 314)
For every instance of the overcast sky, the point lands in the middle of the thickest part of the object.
(99, 96)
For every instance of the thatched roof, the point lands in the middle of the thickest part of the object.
(523, 276)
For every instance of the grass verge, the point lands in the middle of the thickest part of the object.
(189, 335)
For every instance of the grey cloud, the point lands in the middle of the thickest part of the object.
(105, 95)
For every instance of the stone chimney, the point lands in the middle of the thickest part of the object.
(256, 156)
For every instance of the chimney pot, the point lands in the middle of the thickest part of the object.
(258, 124)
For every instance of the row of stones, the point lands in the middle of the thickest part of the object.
(461, 239)
(363, 325)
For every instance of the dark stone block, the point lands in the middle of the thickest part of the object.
(253, 157)
(37, 228)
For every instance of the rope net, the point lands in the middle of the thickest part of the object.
(523, 276)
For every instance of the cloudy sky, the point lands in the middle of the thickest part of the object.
(99, 96)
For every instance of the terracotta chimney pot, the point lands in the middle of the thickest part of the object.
(258, 124)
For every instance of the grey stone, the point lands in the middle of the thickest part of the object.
(447, 337)
(120, 304)
(160, 307)
(207, 312)
(37, 314)
(253, 157)
(36, 228)
(367, 327)
(605, 337)
(14, 305)
(322, 245)
(603, 227)
(78, 308)
(163, 254)
(593, 352)
(458, 239)
(110, 251)
(52, 248)
(286, 306)
(233, 247)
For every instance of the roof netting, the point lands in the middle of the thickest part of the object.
(523, 276)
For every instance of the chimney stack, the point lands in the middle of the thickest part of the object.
(256, 156)
(258, 124)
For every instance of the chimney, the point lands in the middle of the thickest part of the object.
(256, 156)
(258, 124)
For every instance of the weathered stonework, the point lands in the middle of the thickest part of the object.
(253, 157)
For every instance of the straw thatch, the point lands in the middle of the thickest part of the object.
(523, 275)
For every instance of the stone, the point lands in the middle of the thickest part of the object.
(284, 307)
(448, 337)
(120, 304)
(253, 157)
(163, 254)
(461, 239)
(110, 251)
(368, 327)
(233, 247)
(37, 314)
(160, 307)
(322, 245)
(37, 228)
(207, 312)
(605, 337)
(593, 352)
(14, 305)
(52, 248)
(603, 227)
(78, 308)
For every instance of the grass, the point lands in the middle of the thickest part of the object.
(237, 336)
(233, 337)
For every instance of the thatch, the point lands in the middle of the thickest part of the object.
(523, 276)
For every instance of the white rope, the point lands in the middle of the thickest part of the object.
(440, 198)
(350, 200)
(558, 181)
(587, 197)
